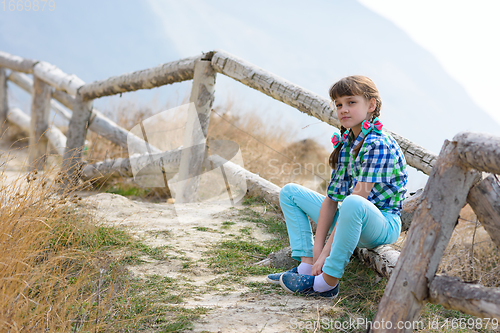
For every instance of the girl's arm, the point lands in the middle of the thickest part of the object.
(325, 220)
(362, 189)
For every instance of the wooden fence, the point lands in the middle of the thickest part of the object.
(451, 175)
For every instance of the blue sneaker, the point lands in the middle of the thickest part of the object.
(275, 278)
(303, 284)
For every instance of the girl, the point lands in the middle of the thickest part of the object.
(369, 179)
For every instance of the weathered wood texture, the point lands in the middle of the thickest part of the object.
(479, 151)
(202, 97)
(99, 123)
(16, 63)
(410, 205)
(55, 137)
(381, 259)
(4, 105)
(57, 78)
(40, 111)
(153, 164)
(176, 71)
(468, 298)
(305, 101)
(433, 223)
(256, 185)
(484, 199)
(26, 83)
(77, 132)
(415, 155)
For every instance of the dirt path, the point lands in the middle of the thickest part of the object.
(234, 306)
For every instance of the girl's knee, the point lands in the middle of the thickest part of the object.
(287, 191)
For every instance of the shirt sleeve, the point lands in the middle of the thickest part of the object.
(377, 163)
(339, 185)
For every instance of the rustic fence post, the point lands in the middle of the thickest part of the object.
(77, 132)
(40, 111)
(484, 199)
(194, 152)
(433, 223)
(4, 106)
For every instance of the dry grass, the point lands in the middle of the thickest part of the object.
(471, 254)
(51, 272)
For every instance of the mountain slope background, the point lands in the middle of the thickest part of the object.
(312, 44)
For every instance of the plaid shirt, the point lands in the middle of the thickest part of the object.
(380, 161)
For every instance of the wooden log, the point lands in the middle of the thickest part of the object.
(381, 259)
(484, 199)
(54, 136)
(57, 78)
(155, 164)
(26, 83)
(77, 132)
(201, 100)
(168, 73)
(479, 151)
(256, 185)
(433, 223)
(410, 205)
(40, 111)
(305, 101)
(99, 123)
(468, 298)
(16, 63)
(4, 105)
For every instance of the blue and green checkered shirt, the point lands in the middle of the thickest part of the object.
(380, 161)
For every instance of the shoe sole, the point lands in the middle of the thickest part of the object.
(273, 281)
(284, 287)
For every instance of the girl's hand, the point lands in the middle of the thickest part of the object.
(317, 268)
(317, 249)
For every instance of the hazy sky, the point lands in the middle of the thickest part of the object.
(462, 34)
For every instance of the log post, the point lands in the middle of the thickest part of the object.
(40, 111)
(433, 223)
(484, 199)
(55, 137)
(202, 97)
(4, 106)
(77, 132)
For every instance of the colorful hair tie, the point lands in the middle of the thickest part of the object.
(377, 125)
(345, 136)
(335, 140)
(367, 126)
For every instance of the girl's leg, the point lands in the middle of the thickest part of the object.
(297, 202)
(360, 223)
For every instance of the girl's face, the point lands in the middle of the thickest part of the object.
(352, 110)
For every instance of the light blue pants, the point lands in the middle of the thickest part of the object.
(359, 223)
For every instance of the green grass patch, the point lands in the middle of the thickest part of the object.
(128, 190)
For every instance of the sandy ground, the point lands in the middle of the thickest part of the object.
(234, 309)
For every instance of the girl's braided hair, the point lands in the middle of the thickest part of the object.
(356, 85)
